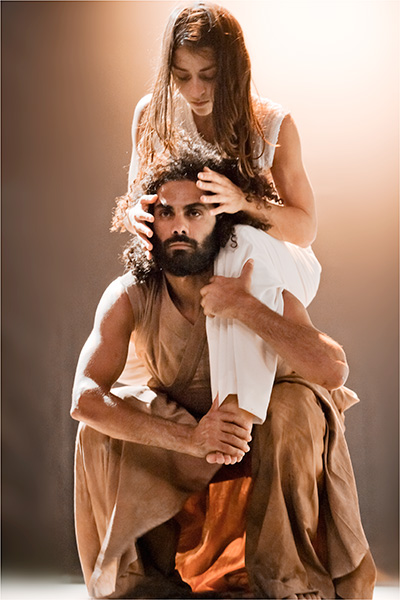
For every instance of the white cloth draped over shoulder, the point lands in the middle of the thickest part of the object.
(240, 361)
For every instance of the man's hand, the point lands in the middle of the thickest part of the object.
(222, 435)
(223, 296)
(309, 352)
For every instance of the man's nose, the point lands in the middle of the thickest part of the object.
(180, 226)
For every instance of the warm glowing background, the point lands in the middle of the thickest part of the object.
(72, 74)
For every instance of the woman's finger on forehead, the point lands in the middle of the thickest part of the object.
(143, 229)
(211, 199)
(209, 186)
(143, 216)
(210, 176)
(219, 185)
(148, 198)
(217, 211)
(147, 217)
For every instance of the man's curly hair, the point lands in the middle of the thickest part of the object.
(192, 159)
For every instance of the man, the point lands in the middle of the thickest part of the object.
(141, 453)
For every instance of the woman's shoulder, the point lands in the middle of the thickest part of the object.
(268, 109)
(139, 109)
(143, 102)
(138, 113)
(270, 115)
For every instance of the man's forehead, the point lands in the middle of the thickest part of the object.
(180, 193)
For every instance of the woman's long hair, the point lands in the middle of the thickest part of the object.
(198, 26)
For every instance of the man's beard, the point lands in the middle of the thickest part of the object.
(182, 262)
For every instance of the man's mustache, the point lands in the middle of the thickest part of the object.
(180, 238)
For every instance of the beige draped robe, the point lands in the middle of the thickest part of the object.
(295, 522)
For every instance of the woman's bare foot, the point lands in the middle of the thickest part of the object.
(246, 419)
(221, 459)
(307, 596)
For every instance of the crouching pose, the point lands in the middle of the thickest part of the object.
(176, 493)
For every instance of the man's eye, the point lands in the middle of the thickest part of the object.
(208, 78)
(195, 212)
(165, 212)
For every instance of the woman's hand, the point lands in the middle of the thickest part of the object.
(225, 193)
(136, 218)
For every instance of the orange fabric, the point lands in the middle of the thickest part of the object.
(211, 547)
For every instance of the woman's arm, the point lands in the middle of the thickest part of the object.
(296, 220)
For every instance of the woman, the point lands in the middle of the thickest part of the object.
(203, 91)
(204, 84)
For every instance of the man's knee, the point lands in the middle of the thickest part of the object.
(95, 451)
(294, 430)
(87, 436)
(295, 408)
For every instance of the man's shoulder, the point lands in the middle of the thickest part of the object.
(125, 281)
(248, 235)
(138, 291)
(262, 247)
(129, 281)
(125, 297)
(119, 290)
(114, 303)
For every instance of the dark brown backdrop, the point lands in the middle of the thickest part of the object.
(72, 73)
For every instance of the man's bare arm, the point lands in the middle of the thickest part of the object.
(311, 353)
(100, 364)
